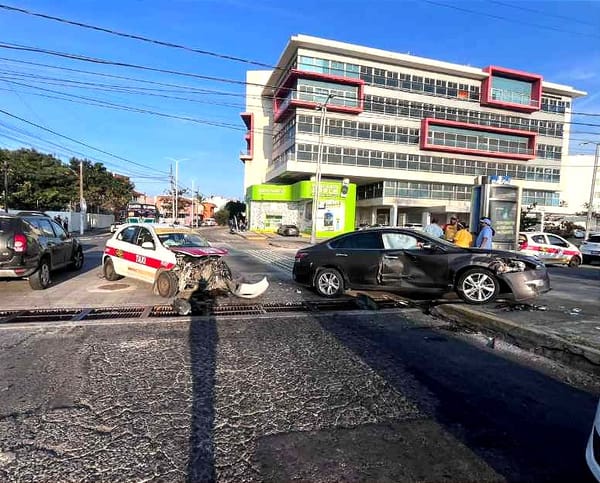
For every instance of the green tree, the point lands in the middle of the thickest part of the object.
(235, 208)
(222, 216)
(41, 181)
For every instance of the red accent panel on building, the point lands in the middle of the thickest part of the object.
(248, 119)
(425, 123)
(289, 84)
(536, 89)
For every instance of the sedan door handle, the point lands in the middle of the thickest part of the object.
(391, 257)
(341, 254)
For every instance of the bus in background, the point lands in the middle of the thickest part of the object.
(141, 213)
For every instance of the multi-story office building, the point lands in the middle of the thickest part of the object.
(411, 133)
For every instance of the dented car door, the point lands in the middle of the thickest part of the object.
(409, 261)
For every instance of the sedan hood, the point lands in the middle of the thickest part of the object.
(199, 251)
(513, 255)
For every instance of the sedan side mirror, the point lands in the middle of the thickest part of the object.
(148, 245)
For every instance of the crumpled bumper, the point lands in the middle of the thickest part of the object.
(250, 290)
(527, 284)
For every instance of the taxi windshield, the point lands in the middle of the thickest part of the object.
(179, 239)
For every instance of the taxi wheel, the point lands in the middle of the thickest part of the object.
(108, 270)
(574, 262)
(166, 284)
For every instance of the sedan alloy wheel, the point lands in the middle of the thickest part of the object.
(478, 286)
(329, 283)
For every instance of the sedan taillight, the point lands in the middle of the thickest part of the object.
(20, 243)
(300, 255)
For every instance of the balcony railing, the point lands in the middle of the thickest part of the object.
(479, 146)
(513, 97)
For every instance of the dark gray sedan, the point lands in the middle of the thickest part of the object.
(288, 230)
(405, 260)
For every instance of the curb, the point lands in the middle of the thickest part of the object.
(549, 345)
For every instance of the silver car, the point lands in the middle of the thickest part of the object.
(590, 249)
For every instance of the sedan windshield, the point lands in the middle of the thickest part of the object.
(182, 240)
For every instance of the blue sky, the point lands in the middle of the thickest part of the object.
(559, 40)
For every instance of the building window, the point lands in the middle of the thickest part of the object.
(511, 90)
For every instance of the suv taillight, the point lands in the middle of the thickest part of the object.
(20, 243)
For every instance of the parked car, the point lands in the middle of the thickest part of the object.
(592, 453)
(208, 222)
(173, 259)
(578, 233)
(288, 230)
(590, 249)
(550, 248)
(33, 245)
(115, 225)
(404, 259)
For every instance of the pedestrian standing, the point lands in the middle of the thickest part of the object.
(463, 237)
(486, 234)
(66, 224)
(434, 229)
(450, 229)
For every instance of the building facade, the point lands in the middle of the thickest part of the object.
(411, 133)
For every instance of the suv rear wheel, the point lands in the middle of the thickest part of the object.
(77, 261)
(40, 279)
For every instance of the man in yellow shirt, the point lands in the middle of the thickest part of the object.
(450, 229)
(463, 237)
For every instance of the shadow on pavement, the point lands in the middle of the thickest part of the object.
(203, 340)
(525, 425)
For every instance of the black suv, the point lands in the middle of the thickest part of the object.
(32, 245)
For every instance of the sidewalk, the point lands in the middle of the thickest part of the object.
(553, 326)
(277, 240)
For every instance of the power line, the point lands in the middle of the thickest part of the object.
(6, 113)
(96, 60)
(542, 12)
(110, 105)
(507, 19)
(135, 36)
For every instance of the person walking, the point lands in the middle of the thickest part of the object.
(434, 229)
(463, 237)
(450, 229)
(66, 224)
(486, 234)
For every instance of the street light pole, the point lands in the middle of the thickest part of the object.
(317, 187)
(588, 222)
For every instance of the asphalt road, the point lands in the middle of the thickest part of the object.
(367, 396)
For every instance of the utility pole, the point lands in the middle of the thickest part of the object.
(172, 193)
(176, 197)
(317, 187)
(6, 185)
(81, 200)
(193, 204)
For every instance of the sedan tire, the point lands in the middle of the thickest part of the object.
(108, 270)
(329, 283)
(478, 286)
(574, 262)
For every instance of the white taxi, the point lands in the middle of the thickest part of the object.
(550, 248)
(151, 253)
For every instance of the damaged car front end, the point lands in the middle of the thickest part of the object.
(526, 277)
